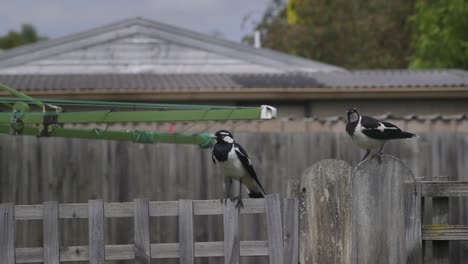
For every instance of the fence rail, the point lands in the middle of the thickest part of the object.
(438, 230)
(281, 246)
(442, 191)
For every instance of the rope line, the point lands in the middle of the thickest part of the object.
(116, 104)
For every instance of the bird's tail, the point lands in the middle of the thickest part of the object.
(256, 195)
(404, 134)
(254, 189)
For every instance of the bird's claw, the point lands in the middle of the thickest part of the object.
(239, 203)
(224, 200)
(379, 157)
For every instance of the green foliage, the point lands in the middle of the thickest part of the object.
(14, 39)
(292, 12)
(349, 33)
(440, 37)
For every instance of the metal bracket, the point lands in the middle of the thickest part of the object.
(50, 119)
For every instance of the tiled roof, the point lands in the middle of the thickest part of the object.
(356, 79)
(394, 78)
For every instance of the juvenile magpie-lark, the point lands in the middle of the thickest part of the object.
(235, 163)
(370, 134)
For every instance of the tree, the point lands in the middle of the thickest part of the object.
(440, 38)
(13, 39)
(349, 33)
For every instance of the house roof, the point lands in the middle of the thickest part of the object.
(354, 79)
(394, 78)
(139, 56)
(139, 45)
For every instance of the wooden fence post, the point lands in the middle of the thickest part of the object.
(51, 233)
(7, 234)
(274, 229)
(325, 234)
(186, 232)
(96, 232)
(378, 211)
(141, 229)
(291, 230)
(413, 222)
(440, 215)
(231, 233)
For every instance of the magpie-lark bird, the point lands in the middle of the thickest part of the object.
(235, 164)
(370, 134)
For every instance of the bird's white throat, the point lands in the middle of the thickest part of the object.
(353, 117)
(228, 139)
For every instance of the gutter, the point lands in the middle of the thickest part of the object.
(252, 94)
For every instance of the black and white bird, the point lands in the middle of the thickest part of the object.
(235, 164)
(370, 134)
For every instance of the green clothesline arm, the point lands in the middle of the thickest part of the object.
(7, 105)
(203, 140)
(264, 112)
(20, 95)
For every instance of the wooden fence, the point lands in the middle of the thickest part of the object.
(371, 213)
(33, 170)
(440, 232)
(281, 246)
(377, 214)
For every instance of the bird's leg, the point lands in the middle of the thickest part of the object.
(227, 189)
(365, 156)
(379, 154)
(239, 198)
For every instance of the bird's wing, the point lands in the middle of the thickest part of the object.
(213, 157)
(380, 130)
(244, 158)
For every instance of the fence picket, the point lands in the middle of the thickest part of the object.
(186, 232)
(291, 230)
(440, 213)
(7, 234)
(326, 213)
(275, 229)
(96, 232)
(51, 233)
(378, 211)
(231, 233)
(141, 225)
(413, 223)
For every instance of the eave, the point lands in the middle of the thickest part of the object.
(253, 94)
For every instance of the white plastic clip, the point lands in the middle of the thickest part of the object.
(268, 112)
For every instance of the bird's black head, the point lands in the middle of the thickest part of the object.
(223, 136)
(353, 115)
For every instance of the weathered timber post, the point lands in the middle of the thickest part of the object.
(378, 211)
(325, 213)
(440, 216)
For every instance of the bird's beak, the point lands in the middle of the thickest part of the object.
(212, 136)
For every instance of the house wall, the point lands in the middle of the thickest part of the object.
(397, 107)
(327, 108)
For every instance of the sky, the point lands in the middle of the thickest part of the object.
(56, 18)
